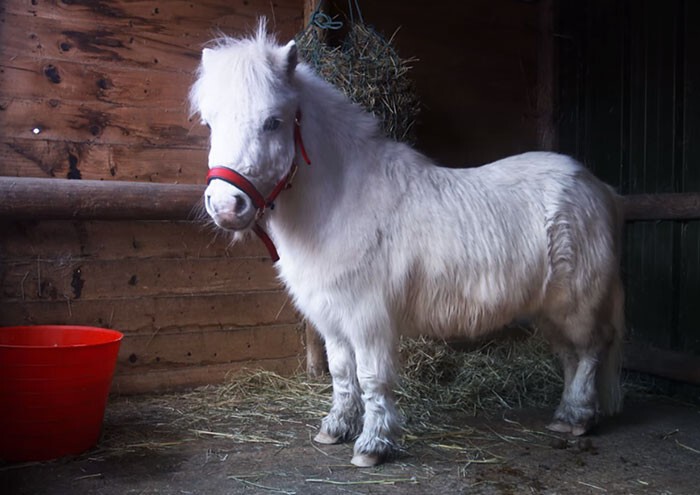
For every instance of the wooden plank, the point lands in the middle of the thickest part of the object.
(167, 379)
(98, 122)
(190, 22)
(94, 34)
(662, 362)
(146, 314)
(651, 256)
(689, 289)
(44, 78)
(210, 346)
(689, 93)
(649, 281)
(86, 279)
(481, 96)
(669, 206)
(98, 44)
(88, 160)
(23, 198)
(59, 240)
(603, 138)
(545, 98)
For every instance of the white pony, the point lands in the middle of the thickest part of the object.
(375, 240)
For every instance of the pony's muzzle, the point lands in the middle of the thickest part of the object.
(229, 207)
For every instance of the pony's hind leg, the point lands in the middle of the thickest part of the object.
(344, 421)
(572, 411)
(589, 346)
(569, 362)
(578, 410)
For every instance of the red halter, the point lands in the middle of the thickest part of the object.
(261, 203)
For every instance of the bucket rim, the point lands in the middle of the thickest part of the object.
(116, 336)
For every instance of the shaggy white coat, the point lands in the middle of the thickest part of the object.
(375, 240)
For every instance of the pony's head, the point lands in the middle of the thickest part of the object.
(245, 93)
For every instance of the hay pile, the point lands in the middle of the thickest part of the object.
(436, 382)
(370, 72)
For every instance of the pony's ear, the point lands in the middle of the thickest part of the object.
(291, 57)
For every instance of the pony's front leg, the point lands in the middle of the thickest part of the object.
(375, 354)
(344, 420)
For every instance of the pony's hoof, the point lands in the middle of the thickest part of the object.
(324, 438)
(561, 427)
(578, 430)
(365, 460)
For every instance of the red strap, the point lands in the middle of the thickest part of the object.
(237, 180)
(297, 138)
(267, 241)
(282, 185)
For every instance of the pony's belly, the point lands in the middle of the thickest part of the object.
(467, 309)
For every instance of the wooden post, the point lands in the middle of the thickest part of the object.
(316, 363)
(546, 94)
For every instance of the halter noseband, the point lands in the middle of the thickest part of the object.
(261, 202)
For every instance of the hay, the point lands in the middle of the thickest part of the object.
(438, 381)
(370, 72)
(438, 387)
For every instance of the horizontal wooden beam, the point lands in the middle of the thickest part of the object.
(53, 199)
(25, 198)
(668, 206)
(679, 366)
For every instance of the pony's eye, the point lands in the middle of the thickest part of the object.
(271, 124)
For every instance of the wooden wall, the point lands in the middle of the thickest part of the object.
(630, 110)
(477, 74)
(97, 90)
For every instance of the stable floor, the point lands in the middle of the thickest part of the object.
(147, 448)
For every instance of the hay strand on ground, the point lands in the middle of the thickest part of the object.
(437, 385)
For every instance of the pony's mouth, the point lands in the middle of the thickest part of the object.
(232, 222)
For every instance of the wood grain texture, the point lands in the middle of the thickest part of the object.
(97, 91)
(668, 206)
(475, 73)
(87, 279)
(146, 314)
(23, 198)
(97, 240)
(158, 379)
(65, 159)
(187, 347)
(26, 198)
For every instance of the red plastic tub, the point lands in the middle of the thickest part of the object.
(54, 383)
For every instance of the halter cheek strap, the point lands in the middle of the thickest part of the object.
(261, 202)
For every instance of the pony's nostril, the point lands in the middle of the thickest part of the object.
(240, 205)
(207, 202)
